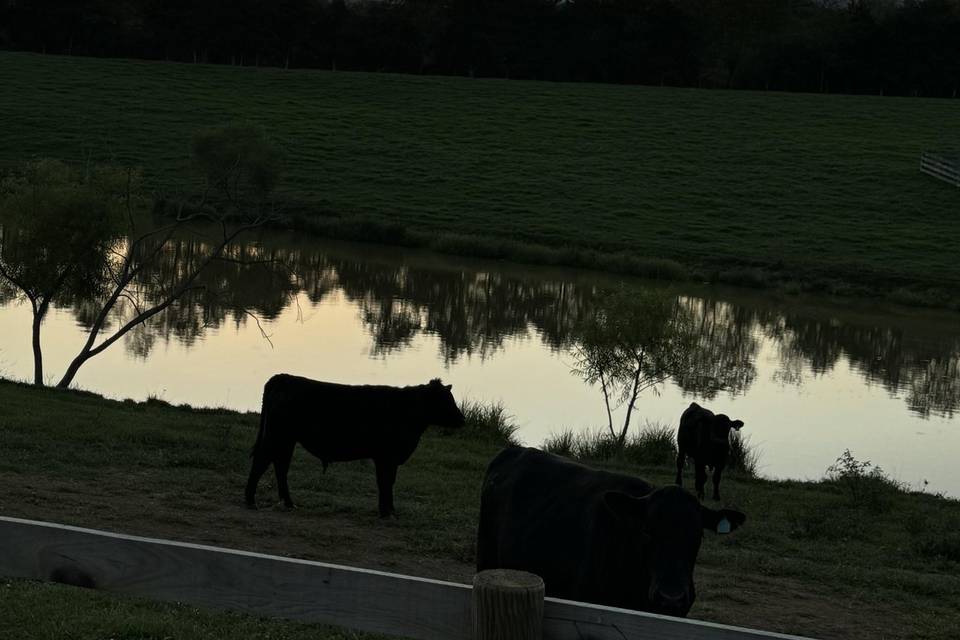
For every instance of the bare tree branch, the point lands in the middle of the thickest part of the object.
(89, 351)
(263, 333)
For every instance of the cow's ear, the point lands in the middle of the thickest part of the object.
(722, 521)
(736, 424)
(625, 507)
(448, 387)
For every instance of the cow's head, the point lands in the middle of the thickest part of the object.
(664, 530)
(722, 425)
(440, 406)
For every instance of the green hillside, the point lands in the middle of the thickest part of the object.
(810, 185)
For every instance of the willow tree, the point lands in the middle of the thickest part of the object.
(633, 341)
(69, 234)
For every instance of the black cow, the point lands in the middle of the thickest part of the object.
(705, 437)
(593, 536)
(338, 422)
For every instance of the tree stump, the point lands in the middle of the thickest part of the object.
(507, 605)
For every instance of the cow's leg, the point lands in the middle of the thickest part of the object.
(261, 460)
(681, 458)
(701, 478)
(386, 476)
(717, 471)
(282, 455)
(487, 551)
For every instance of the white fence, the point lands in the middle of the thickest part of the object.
(942, 167)
(265, 585)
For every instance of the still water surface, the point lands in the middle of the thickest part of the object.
(809, 378)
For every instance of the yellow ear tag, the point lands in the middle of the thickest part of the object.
(723, 526)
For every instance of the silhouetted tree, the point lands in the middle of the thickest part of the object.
(57, 224)
(904, 47)
(634, 341)
(61, 237)
(240, 167)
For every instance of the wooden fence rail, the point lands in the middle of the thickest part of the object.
(255, 583)
(942, 167)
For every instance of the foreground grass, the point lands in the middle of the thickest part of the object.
(32, 611)
(816, 559)
(730, 186)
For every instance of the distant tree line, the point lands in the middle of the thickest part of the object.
(893, 47)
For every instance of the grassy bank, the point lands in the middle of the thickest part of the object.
(821, 559)
(799, 191)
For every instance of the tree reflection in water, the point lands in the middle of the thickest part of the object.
(473, 309)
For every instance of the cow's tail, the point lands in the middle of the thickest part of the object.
(259, 441)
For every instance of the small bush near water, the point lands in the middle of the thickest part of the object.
(653, 445)
(866, 501)
(863, 483)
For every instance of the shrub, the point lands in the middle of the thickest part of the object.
(863, 483)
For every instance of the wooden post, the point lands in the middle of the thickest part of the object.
(507, 605)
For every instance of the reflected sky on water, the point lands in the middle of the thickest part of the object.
(808, 377)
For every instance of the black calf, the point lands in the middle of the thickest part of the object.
(705, 437)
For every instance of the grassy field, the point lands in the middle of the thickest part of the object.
(738, 186)
(828, 560)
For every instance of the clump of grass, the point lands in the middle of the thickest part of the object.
(490, 421)
(561, 444)
(597, 445)
(655, 444)
(585, 445)
(652, 446)
(742, 457)
(864, 484)
(154, 400)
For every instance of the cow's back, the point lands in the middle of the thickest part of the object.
(692, 433)
(339, 421)
(545, 514)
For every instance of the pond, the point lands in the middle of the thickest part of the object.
(809, 377)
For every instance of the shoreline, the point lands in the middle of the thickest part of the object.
(756, 277)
